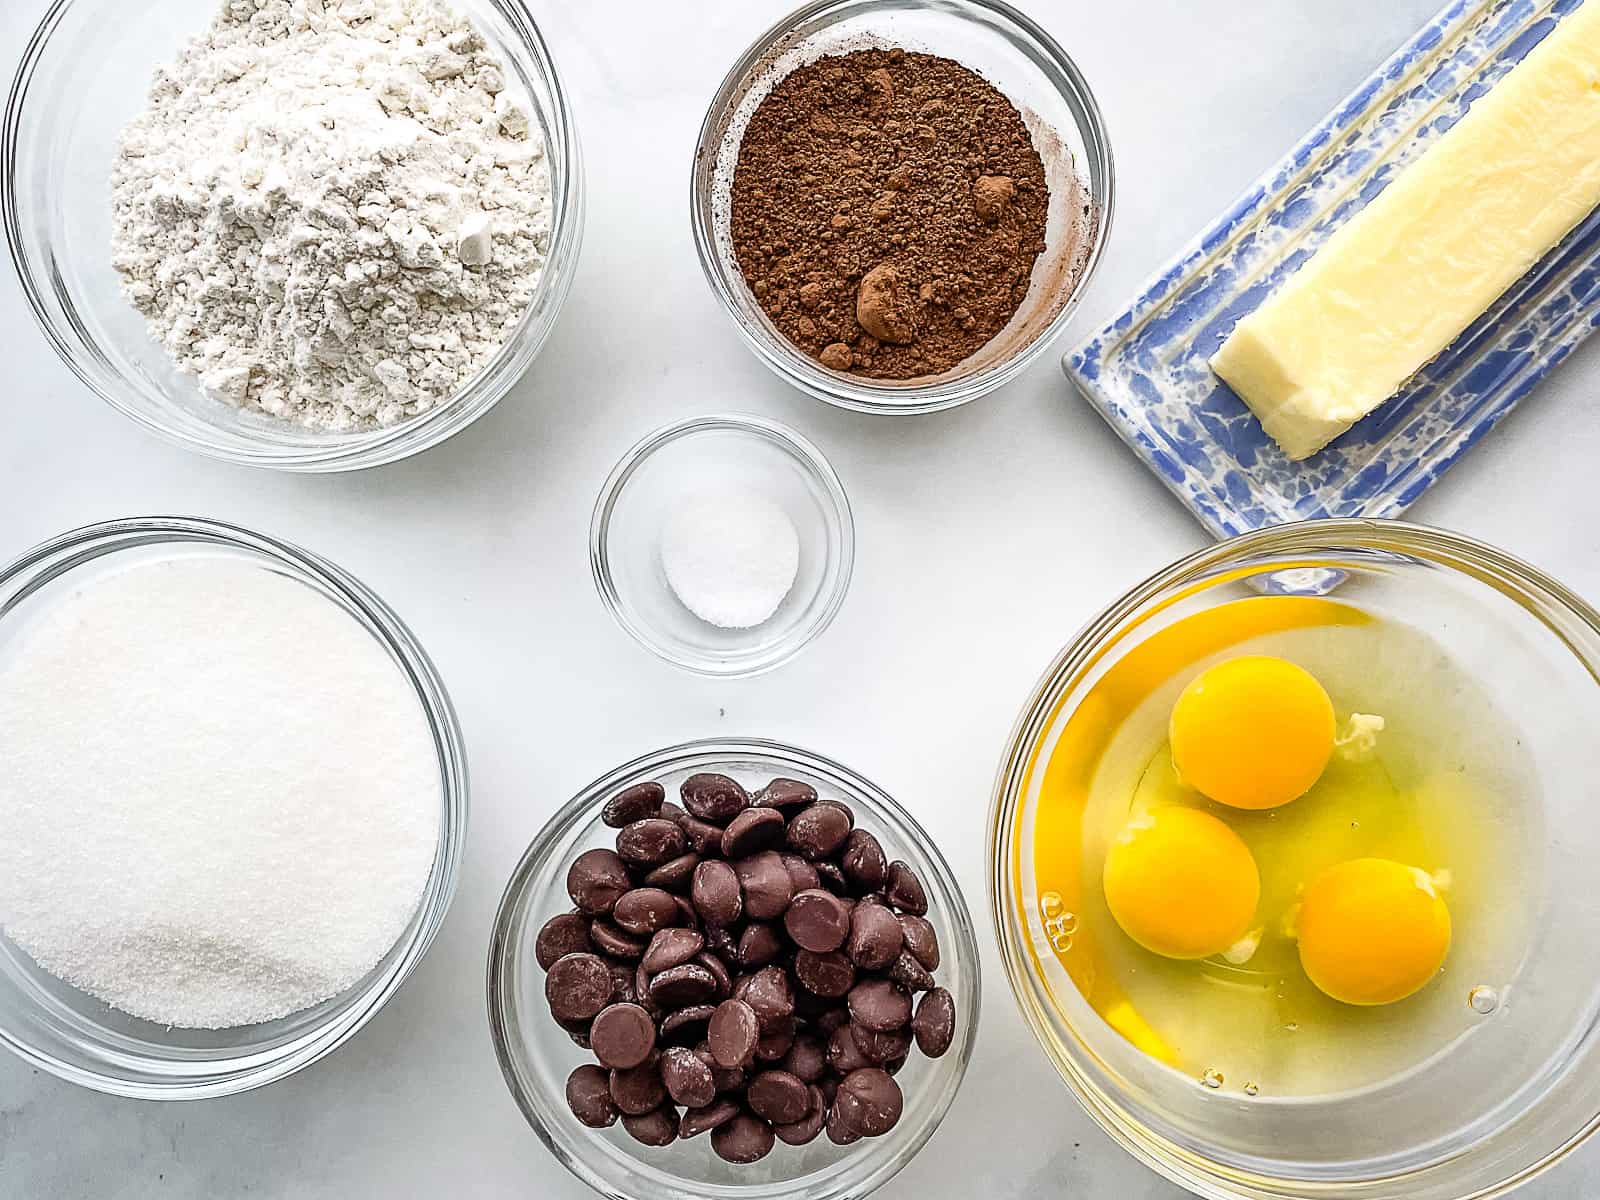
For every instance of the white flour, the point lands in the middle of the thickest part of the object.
(332, 210)
(219, 796)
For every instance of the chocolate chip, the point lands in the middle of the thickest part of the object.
(623, 1036)
(638, 1090)
(719, 972)
(721, 943)
(715, 893)
(921, 940)
(880, 1005)
(768, 993)
(675, 874)
(624, 983)
(831, 975)
(778, 1097)
(820, 830)
(869, 1102)
(766, 886)
(904, 890)
(910, 974)
(776, 1039)
(683, 986)
(819, 921)
(875, 937)
(844, 1055)
(802, 875)
(863, 862)
(672, 947)
(714, 798)
(839, 1133)
(759, 945)
(745, 1139)
(687, 1078)
(596, 880)
(562, 935)
(935, 1023)
(577, 987)
(809, 1127)
(705, 1119)
(833, 878)
(608, 939)
(703, 837)
(651, 842)
(633, 804)
(589, 1097)
(733, 1034)
(881, 1047)
(752, 831)
(729, 1079)
(645, 911)
(807, 1059)
(658, 1128)
(789, 795)
(687, 1025)
(832, 1019)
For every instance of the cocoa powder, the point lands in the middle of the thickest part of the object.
(887, 210)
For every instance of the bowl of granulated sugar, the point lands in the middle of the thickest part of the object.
(234, 795)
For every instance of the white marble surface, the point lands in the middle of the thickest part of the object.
(987, 536)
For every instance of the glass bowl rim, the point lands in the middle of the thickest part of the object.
(1193, 1169)
(227, 1077)
(847, 392)
(817, 468)
(372, 448)
(894, 1151)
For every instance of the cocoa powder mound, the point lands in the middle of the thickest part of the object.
(887, 210)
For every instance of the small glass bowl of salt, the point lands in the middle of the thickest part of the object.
(723, 544)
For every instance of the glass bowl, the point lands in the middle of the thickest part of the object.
(1011, 52)
(745, 452)
(1520, 1085)
(536, 1056)
(72, 1035)
(84, 74)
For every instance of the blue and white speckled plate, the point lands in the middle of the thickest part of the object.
(1148, 373)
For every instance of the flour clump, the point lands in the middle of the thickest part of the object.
(334, 212)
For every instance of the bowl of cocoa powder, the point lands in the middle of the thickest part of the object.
(900, 202)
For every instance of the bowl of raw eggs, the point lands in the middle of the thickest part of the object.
(1291, 857)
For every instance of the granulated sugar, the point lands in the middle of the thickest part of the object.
(220, 798)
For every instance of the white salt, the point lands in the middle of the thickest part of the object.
(730, 557)
(220, 798)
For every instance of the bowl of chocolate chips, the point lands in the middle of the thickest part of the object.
(900, 203)
(734, 969)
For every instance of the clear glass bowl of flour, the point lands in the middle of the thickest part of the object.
(59, 1029)
(86, 72)
(695, 524)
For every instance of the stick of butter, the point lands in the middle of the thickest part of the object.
(1409, 273)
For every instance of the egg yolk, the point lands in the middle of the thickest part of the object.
(1253, 732)
(1372, 931)
(1181, 883)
